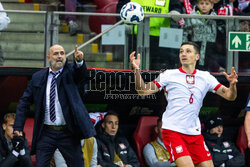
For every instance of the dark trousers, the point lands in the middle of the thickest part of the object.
(67, 144)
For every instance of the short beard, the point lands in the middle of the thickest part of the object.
(55, 66)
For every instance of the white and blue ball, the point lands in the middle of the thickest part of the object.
(132, 13)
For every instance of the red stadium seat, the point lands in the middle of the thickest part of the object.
(144, 134)
(242, 140)
(28, 129)
(102, 3)
(95, 22)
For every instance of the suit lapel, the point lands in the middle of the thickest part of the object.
(43, 84)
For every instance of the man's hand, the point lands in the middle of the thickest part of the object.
(78, 55)
(18, 133)
(232, 78)
(248, 144)
(135, 62)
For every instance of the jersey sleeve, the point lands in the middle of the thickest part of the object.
(161, 80)
(213, 83)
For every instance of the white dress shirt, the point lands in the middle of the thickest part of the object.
(58, 109)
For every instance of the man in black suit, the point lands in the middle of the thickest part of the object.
(61, 118)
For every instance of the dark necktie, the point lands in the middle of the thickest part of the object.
(52, 97)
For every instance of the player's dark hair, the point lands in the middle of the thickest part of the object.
(111, 112)
(195, 45)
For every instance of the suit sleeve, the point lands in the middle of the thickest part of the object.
(23, 108)
(80, 73)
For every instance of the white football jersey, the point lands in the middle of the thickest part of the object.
(185, 94)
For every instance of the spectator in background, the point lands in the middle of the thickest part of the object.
(14, 150)
(155, 153)
(247, 129)
(69, 6)
(242, 7)
(4, 21)
(224, 7)
(244, 26)
(113, 149)
(186, 8)
(203, 32)
(158, 57)
(224, 153)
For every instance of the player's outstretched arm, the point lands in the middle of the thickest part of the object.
(142, 88)
(229, 93)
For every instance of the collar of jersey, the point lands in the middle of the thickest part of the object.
(181, 70)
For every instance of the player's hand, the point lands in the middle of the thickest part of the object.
(248, 144)
(135, 62)
(78, 55)
(18, 133)
(232, 78)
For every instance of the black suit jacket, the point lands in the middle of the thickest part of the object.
(74, 111)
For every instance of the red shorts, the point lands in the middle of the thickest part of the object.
(179, 145)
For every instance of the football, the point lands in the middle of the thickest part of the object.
(132, 13)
